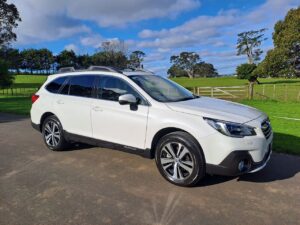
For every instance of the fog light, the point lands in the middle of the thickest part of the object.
(244, 166)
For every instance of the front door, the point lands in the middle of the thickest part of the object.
(120, 124)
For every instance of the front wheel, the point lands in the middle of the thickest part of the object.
(179, 159)
(53, 134)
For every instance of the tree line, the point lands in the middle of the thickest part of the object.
(43, 61)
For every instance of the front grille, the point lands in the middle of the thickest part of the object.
(266, 128)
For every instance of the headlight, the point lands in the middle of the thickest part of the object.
(231, 129)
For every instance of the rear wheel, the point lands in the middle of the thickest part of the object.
(179, 159)
(53, 134)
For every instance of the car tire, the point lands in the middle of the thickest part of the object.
(180, 159)
(53, 134)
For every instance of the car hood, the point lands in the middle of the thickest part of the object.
(217, 109)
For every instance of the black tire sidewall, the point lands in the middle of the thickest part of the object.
(196, 153)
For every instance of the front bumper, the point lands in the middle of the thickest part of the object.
(230, 165)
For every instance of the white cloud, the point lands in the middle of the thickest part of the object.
(119, 13)
(200, 30)
(92, 41)
(48, 20)
(45, 21)
(217, 33)
(72, 47)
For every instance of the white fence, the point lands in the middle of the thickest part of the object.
(231, 92)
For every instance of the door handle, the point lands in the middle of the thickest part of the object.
(97, 109)
(60, 102)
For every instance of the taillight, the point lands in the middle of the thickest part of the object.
(34, 98)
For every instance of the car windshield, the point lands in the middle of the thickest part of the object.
(162, 89)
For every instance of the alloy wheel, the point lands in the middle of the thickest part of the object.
(177, 161)
(52, 133)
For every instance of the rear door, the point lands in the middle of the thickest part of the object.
(120, 124)
(73, 105)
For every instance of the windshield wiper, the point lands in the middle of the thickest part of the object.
(185, 99)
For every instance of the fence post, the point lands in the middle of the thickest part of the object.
(212, 92)
(263, 90)
(198, 91)
(274, 91)
(251, 87)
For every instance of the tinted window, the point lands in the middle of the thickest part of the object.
(55, 85)
(81, 86)
(110, 88)
(65, 90)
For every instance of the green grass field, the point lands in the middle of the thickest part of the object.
(268, 89)
(29, 81)
(287, 131)
(37, 80)
(229, 81)
(17, 105)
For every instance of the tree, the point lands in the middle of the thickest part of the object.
(113, 59)
(9, 18)
(6, 79)
(46, 60)
(174, 71)
(114, 45)
(67, 59)
(84, 61)
(29, 59)
(286, 32)
(186, 61)
(135, 59)
(204, 69)
(275, 64)
(248, 43)
(244, 71)
(284, 59)
(12, 57)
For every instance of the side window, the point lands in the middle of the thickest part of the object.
(55, 85)
(81, 86)
(111, 88)
(65, 90)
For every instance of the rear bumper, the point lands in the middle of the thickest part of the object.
(36, 126)
(230, 165)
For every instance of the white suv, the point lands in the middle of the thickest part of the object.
(146, 114)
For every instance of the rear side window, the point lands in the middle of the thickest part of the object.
(81, 86)
(55, 85)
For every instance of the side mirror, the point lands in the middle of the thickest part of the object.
(127, 99)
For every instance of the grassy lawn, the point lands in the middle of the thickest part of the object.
(37, 80)
(29, 81)
(229, 81)
(17, 105)
(269, 89)
(287, 132)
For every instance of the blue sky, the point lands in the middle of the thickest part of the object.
(160, 28)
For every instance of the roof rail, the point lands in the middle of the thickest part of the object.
(137, 71)
(66, 69)
(103, 68)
